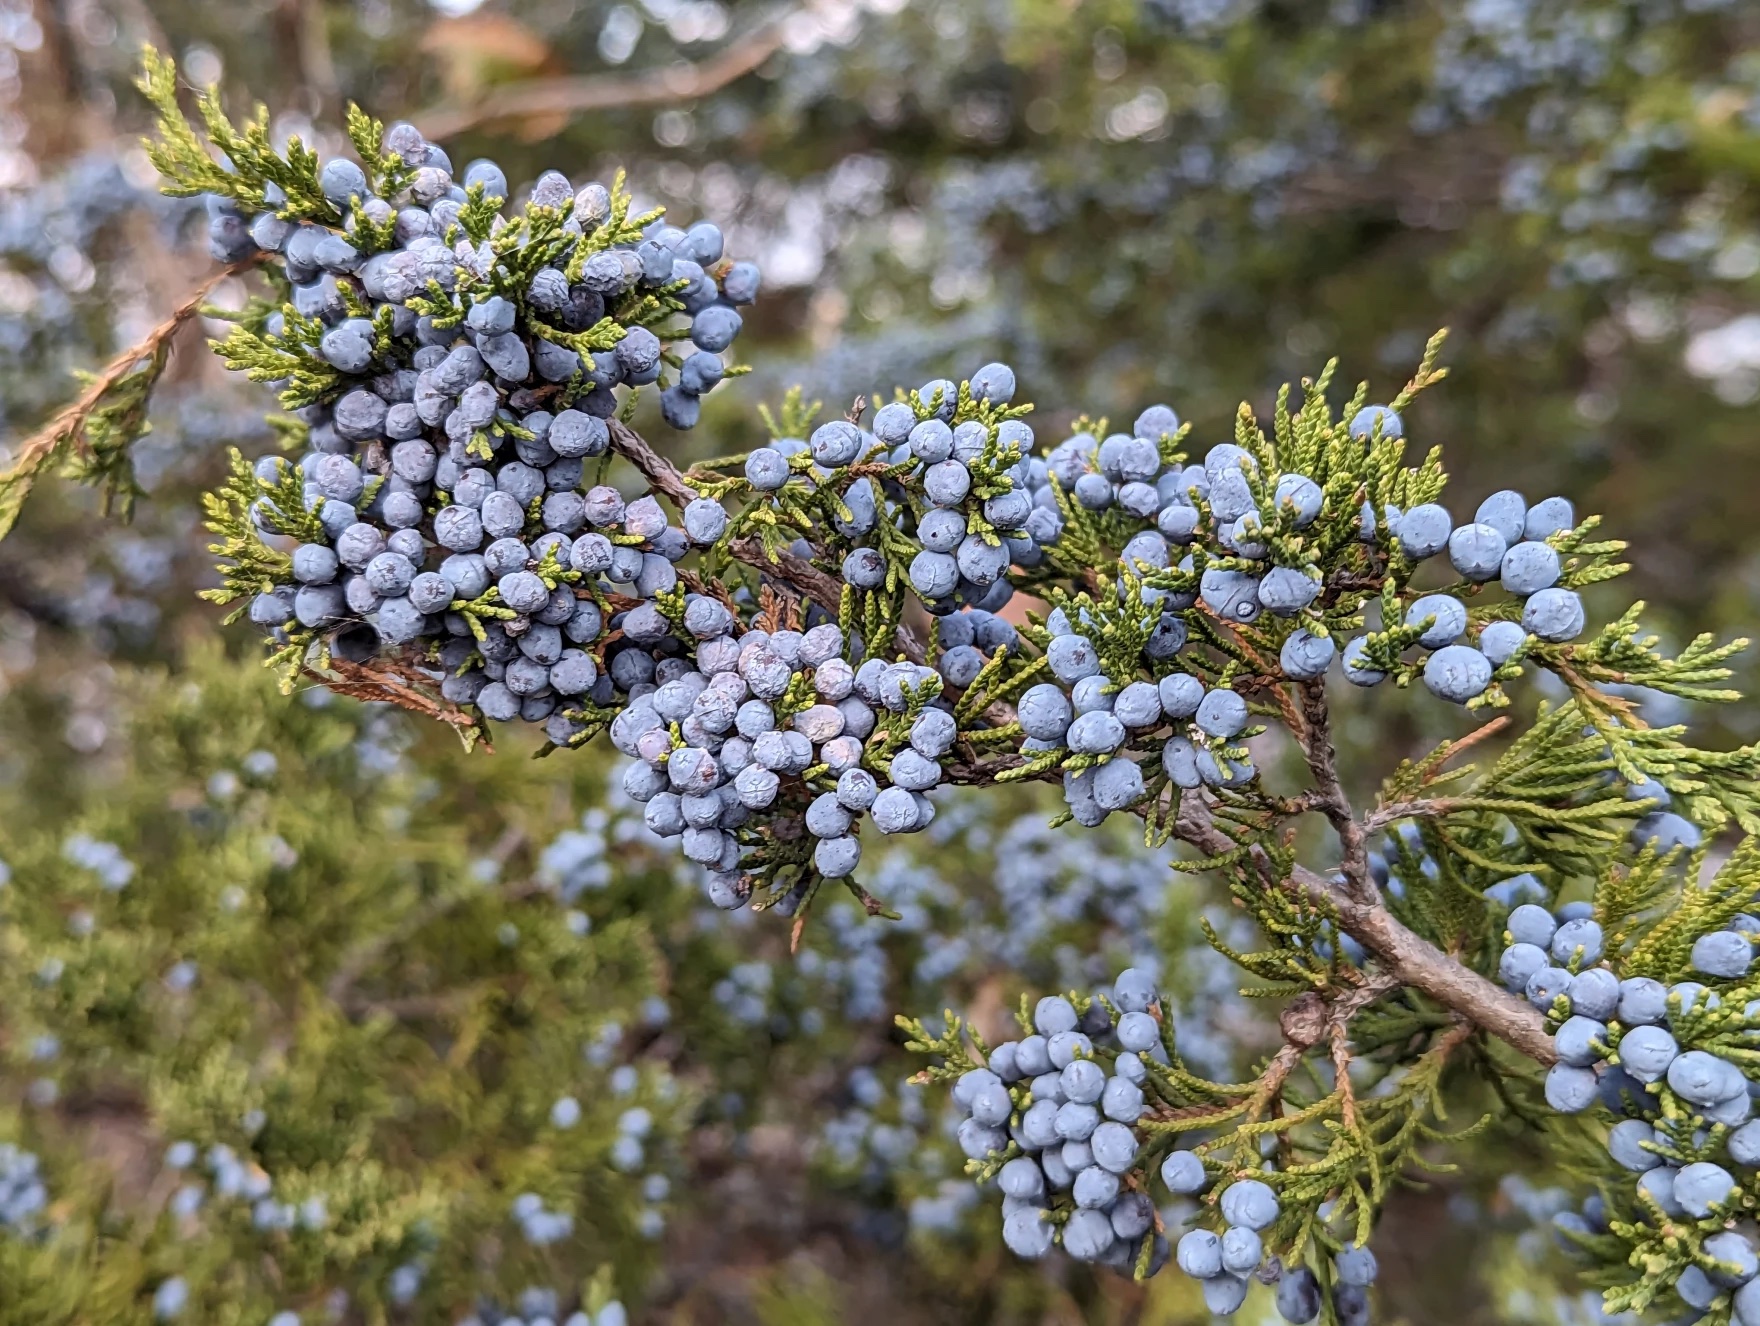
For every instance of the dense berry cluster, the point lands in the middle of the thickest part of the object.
(736, 751)
(1506, 541)
(1072, 1116)
(455, 368)
(1056, 1119)
(1668, 1063)
(735, 715)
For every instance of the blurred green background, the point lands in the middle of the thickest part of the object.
(1128, 200)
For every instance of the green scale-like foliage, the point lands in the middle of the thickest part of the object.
(377, 976)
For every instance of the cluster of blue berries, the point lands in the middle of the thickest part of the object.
(230, 1178)
(1727, 1266)
(1223, 1263)
(23, 1195)
(1064, 1106)
(540, 1225)
(1507, 542)
(1555, 960)
(103, 859)
(1227, 1264)
(881, 1133)
(1072, 1117)
(973, 526)
(1649, 1054)
(773, 723)
(458, 396)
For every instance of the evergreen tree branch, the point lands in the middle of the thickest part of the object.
(674, 82)
(66, 437)
(1414, 960)
(1328, 796)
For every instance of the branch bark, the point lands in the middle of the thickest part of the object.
(1452, 983)
(1413, 959)
(1406, 955)
(1329, 795)
(681, 81)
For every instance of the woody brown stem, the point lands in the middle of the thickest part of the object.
(677, 82)
(1414, 960)
(67, 428)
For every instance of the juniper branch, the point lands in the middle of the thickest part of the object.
(1315, 739)
(1405, 954)
(64, 436)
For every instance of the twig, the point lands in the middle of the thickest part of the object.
(1270, 1086)
(1412, 959)
(1445, 979)
(1424, 808)
(69, 423)
(654, 467)
(1329, 795)
(1339, 1036)
(1338, 1024)
(1311, 1018)
(1407, 956)
(1473, 738)
(1430, 807)
(680, 81)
